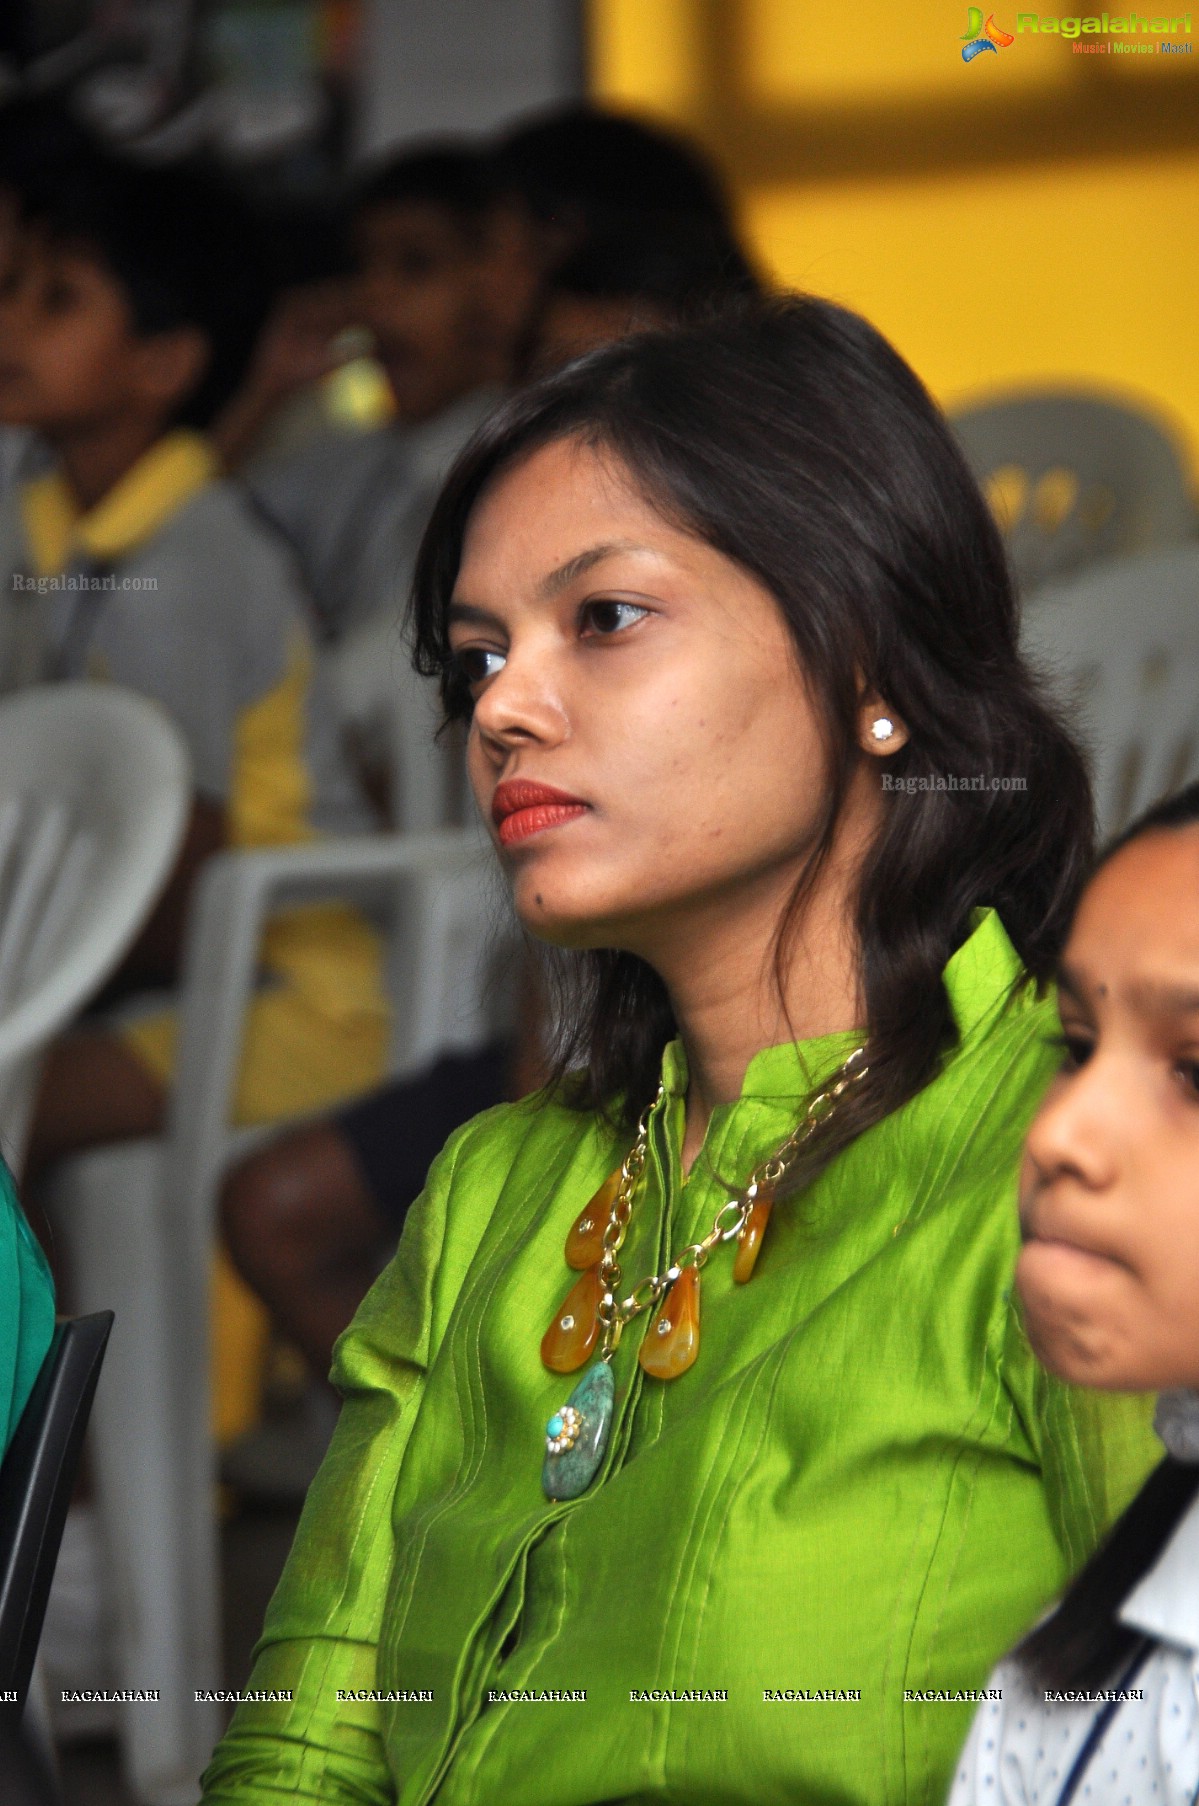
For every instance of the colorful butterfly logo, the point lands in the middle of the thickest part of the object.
(979, 37)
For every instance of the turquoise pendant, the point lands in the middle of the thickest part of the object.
(577, 1435)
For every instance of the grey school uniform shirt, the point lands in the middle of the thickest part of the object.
(353, 507)
(172, 587)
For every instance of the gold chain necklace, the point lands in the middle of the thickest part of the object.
(591, 1312)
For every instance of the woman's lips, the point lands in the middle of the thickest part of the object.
(520, 808)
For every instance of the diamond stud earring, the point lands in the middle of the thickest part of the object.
(882, 727)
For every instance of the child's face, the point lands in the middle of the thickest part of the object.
(420, 283)
(70, 357)
(1109, 1273)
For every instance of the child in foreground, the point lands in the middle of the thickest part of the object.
(1101, 1702)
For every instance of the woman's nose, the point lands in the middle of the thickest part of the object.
(521, 705)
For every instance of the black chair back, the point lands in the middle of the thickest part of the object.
(37, 1477)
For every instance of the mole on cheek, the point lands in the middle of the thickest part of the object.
(538, 899)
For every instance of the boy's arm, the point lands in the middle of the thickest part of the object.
(297, 346)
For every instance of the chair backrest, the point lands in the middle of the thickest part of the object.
(94, 794)
(37, 1477)
(394, 713)
(1074, 479)
(453, 956)
(1119, 646)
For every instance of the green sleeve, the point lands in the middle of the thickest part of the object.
(26, 1308)
(1095, 1448)
(322, 1626)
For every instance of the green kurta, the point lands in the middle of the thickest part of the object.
(864, 1484)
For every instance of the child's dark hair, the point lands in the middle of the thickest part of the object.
(683, 266)
(454, 177)
(792, 438)
(675, 270)
(181, 246)
(584, 169)
(1083, 1644)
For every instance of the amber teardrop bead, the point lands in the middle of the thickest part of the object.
(672, 1341)
(585, 1243)
(749, 1242)
(571, 1337)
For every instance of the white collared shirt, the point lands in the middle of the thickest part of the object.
(1022, 1747)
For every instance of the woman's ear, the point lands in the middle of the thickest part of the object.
(880, 731)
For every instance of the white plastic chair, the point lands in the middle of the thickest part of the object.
(1120, 648)
(140, 1222)
(1075, 479)
(94, 792)
(392, 713)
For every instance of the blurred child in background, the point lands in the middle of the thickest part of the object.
(353, 505)
(1101, 1702)
(125, 326)
(633, 277)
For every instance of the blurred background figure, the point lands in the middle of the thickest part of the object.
(633, 276)
(353, 505)
(126, 323)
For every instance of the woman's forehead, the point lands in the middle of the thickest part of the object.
(562, 509)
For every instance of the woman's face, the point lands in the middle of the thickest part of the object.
(649, 682)
(1109, 1273)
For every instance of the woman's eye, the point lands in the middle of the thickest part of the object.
(477, 663)
(607, 618)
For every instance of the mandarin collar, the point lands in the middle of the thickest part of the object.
(979, 980)
(175, 468)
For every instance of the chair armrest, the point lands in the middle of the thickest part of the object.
(235, 894)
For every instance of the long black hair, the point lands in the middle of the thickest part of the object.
(790, 436)
(1083, 1644)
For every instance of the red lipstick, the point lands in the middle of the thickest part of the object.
(520, 808)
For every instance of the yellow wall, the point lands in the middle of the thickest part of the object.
(1030, 218)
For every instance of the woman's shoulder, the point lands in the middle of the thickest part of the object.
(487, 1175)
(480, 1156)
(489, 1164)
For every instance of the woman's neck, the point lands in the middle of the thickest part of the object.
(726, 994)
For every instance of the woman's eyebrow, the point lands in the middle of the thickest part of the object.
(469, 614)
(581, 563)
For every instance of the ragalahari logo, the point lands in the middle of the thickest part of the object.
(979, 37)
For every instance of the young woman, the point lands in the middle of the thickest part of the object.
(1102, 1701)
(733, 632)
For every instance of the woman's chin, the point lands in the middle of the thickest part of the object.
(565, 917)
